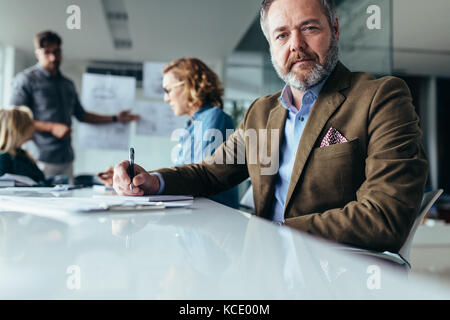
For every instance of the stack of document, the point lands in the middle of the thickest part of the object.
(58, 205)
(169, 201)
(71, 205)
(103, 189)
(168, 198)
(14, 180)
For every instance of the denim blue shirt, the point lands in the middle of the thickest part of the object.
(204, 132)
(293, 130)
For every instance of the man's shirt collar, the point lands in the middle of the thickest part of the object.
(286, 95)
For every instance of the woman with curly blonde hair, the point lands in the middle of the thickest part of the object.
(16, 128)
(193, 89)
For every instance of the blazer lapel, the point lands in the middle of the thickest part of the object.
(276, 121)
(326, 104)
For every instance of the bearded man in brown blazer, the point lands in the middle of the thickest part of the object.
(335, 154)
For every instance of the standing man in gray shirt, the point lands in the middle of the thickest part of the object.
(53, 99)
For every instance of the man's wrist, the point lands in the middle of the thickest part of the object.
(44, 126)
(161, 181)
(52, 126)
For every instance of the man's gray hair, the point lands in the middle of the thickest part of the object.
(327, 5)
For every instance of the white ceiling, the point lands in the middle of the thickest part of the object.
(160, 29)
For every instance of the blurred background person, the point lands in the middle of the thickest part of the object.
(16, 128)
(53, 100)
(193, 89)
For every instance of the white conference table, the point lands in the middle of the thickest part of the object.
(207, 251)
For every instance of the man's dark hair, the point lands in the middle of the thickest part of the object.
(44, 38)
(327, 5)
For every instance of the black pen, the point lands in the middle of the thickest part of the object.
(131, 167)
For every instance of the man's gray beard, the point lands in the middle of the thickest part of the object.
(318, 72)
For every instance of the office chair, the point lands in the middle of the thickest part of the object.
(403, 256)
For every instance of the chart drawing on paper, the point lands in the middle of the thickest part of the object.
(152, 81)
(157, 119)
(106, 94)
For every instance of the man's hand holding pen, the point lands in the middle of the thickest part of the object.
(143, 182)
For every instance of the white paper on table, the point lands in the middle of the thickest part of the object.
(152, 79)
(18, 179)
(57, 205)
(103, 189)
(168, 200)
(155, 198)
(72, 210)
(108, 95)
(157, 119)
(33, 192)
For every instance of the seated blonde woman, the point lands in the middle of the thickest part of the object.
(16, 128)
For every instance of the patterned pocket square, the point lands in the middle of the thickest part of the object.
(332, 137)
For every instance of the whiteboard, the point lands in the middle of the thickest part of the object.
(106, 95)
(157, 119)
(152, 79)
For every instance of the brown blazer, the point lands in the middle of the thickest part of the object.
(365, 192)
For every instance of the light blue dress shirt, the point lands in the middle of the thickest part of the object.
(293, 130)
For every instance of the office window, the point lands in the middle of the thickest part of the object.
(363, 45)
